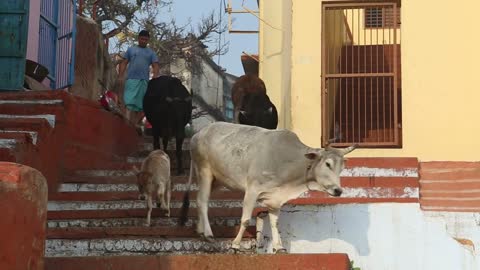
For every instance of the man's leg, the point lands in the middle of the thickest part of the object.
(138, 118)
(128, 114)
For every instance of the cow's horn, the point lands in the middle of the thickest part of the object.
(349, 149)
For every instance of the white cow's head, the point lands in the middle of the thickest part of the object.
(324, 170)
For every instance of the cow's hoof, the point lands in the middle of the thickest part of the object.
(208, 239)
(280, 251)
(146, 224)
(233, 251)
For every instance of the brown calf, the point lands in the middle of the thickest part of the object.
(153, 180)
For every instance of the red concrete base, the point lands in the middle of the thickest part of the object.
(23, 202)
(200, 262)
(450, 186)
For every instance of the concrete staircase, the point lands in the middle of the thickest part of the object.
(29, 131)
(54, 131)
(97, 212)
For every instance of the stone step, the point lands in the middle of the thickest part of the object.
(128, 183)
(368, 168)
(12, 139)
(34, 107)
(334, 261)
(234, 212)
(176, 196)
(147, 144)
(130, 162)
(128, 176)
(130, 204)
(140, 246)
(16, 147)
(178, 184)
(124, 179)
(142, 231)
(8, 121)
(314, 197)
(21, 136)
(34, 95)
(132, 222)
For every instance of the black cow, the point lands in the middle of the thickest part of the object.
(258, 110)
(168, 107)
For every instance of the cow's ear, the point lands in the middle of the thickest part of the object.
(313, 154)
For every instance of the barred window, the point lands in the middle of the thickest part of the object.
(379, 17)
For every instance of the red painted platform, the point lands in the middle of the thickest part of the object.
(202, 262)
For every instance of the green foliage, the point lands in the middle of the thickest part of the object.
(352, 267)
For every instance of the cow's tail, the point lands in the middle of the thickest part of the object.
(186, 199)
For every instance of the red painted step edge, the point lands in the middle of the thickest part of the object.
(334, 261)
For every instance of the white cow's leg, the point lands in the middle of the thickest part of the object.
(277, 241)
(161, 198)
(259, 224)
(205, 184)
(168, 191)
(248, 205)
(150, 206)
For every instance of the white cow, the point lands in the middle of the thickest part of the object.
(270, 166)
(153, 181)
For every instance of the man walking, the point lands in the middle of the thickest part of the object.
(139, 59)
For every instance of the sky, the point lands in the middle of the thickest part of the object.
(183, 10)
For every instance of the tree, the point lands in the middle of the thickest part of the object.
(120, 21)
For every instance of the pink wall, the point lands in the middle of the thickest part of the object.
(33, 30)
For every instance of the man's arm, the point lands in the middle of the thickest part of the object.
(156, 69)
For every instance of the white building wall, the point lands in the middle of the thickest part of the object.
(383, 236)
(209, 85)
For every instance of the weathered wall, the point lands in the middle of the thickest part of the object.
(33, 30)
(383, 235)
(209, 85)
(23, 200)
(92, 61)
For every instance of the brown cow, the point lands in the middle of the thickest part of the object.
(246, 84)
